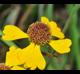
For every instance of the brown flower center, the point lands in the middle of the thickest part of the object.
(39, 33)
(3, 67)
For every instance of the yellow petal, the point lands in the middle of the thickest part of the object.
(33, 57)
(25, 53)
(44, 20)
(12, 32)
(55, 30)
(61, 46)
(12, 57)
(17, 68)
(40, 61)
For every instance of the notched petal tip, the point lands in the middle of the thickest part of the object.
(69, 41)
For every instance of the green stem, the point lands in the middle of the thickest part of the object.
(1, 33)
(40, 10)
(71, 10)
(75, 37)
(49, 11)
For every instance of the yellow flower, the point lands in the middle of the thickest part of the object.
(39, 33)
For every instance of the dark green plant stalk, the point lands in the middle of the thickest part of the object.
(75, 38)
(40, 10)
(70, 9)
(1, 33)
(49, 11)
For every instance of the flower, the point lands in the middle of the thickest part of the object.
(39, 33)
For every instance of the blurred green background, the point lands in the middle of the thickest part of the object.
(66, 15)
